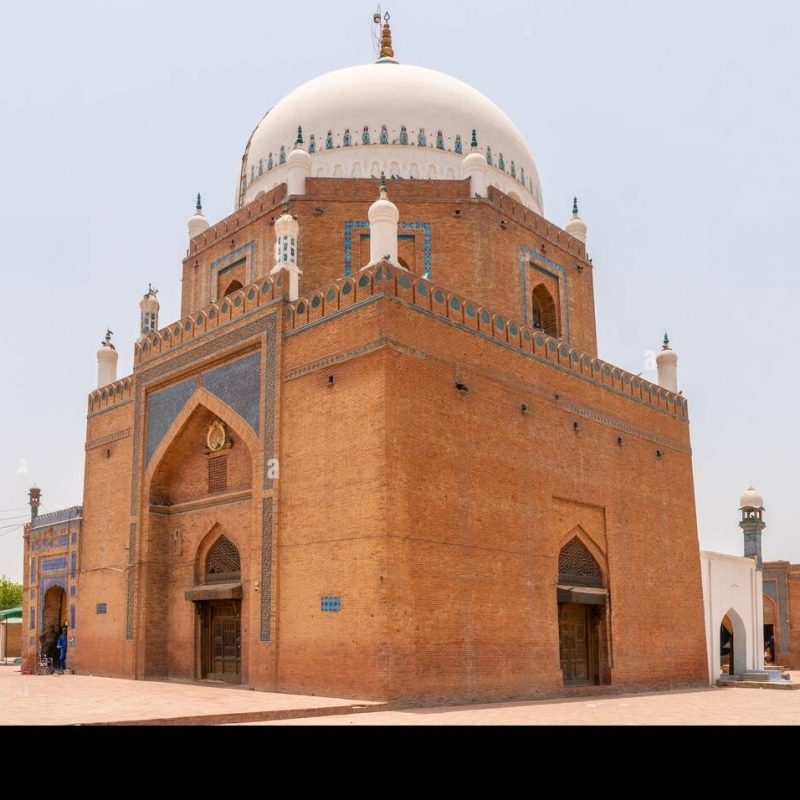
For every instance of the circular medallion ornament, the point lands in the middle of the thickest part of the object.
(215, 438)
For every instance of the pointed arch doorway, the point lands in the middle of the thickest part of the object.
(218, 600)
(582, 619)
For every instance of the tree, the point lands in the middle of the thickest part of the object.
(10, 593)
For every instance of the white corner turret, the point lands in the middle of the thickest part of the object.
(383, 223)
(576, 226)
(149, 308)
(197, 222)
(298, 167)
(667, 365)
(475, 167)
(107, 357)
(286, 235)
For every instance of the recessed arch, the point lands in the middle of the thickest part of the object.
(201, 398)
(544, 312)
(233, 286)
(733, 643)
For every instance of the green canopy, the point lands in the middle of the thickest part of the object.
(11, 613)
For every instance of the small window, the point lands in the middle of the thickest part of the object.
(217, 474)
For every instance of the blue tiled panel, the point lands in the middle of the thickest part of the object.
(162, 409)
(355, 224)
(101, 608)
(330, 604)
(72, 617)
(49, 564)
(237, 384)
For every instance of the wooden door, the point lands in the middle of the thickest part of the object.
(222, 655)
(574, 642)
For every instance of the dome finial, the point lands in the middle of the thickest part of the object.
(666, 341)
(383, 190)
(299, 142)
(387, 51)
(199, 205)
(474, 143)
(574, 206)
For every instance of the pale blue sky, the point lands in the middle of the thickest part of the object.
(677, 126)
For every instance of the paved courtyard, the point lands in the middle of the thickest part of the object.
(698, 707)
(79, 699)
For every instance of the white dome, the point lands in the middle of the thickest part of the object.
(360, 121)
(751, 499)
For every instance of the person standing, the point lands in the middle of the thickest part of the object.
(62, 649)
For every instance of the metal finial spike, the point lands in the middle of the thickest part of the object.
(666, 341)
(575, 206)
(474, 142)
(199, 205)
(299, 135)
(384, 190)
(109, 334)
(387, 51)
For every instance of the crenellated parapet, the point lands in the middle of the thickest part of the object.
(114, 394)
(384, 280)
(237, 304)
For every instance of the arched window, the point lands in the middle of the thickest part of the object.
(544, 314)
(233, 286)
(577, 567)
(222, 562)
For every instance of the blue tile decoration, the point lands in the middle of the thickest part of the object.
(163, 408)
(101, 608)
(234, 258)
(439, 140)
(282, 156)
(403, 135)
(73, 590)
(270, 394)
(422, 139)
(50, 564)
(312, 144)
(384, 135)
(33, 570)
(459, 148)
(330, 605)
(59, 517)
(32, 618)
(528, 255)
(130, 599)
(238, 385)
(489, 157)
(365, 135)
(72, 616)
(73, 564)
(266, 569)
(352, 225)
(329, 141)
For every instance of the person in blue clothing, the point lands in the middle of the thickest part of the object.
(62, 649)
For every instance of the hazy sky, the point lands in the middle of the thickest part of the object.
(676, 124)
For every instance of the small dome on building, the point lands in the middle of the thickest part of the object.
(751, 499)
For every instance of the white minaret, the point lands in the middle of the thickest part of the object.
(197, 222)
(475, 168)
(106, 362)
(149, 307)
(667, 365)
(383, 223)
(286, 235)
(299, 167)
(576, 226)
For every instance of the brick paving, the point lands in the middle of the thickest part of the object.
(80, 699)
(697, 707)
